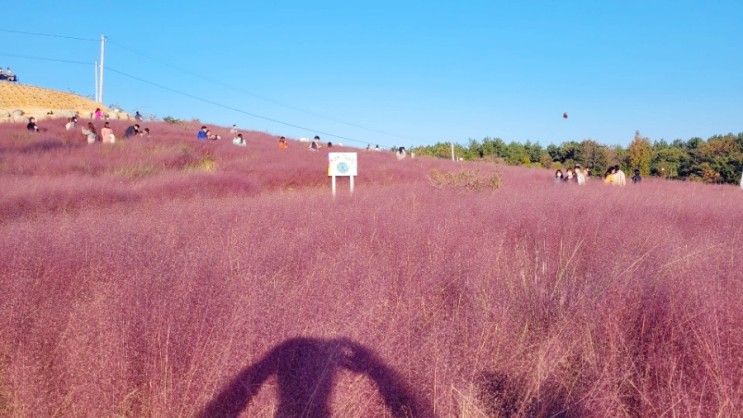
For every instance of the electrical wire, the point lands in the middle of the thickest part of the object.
(32, 57)
(232, 108)
(48, 35)
(201, 76)
(243, 91)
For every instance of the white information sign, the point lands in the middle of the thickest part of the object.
(342, 164)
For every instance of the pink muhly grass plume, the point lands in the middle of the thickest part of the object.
(146, 277)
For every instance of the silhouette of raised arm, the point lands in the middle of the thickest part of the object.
(400, 400)
(306, 370)
(236, 396)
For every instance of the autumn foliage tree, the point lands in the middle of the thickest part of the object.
(640, 154)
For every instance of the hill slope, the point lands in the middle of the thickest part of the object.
(39, 101)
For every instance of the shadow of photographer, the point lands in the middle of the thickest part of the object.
(306, 369)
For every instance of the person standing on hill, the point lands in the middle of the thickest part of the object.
(32, 126)
(610, 176)
(107, 134)
(283, 143)
(203, 134)
(90, 133)
(621, 177)
(580, 175)
(569, 175)
(98, 114)
(741, 180)
(315, 144)
(558, 177)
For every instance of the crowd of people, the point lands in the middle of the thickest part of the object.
(204, 134)
(614, 176)
(577, 174)
(106, 134)
(90, 133)
(8, 75)
(238, 139)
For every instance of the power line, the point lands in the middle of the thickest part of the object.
(266, 99)
(234, 109)
(48, 35)
(182, 93)
(32, 57)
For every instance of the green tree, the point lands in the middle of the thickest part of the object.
(554, 152)
(534, 150)
(516, 154)
(667, 161)
(593, 156)
(640, 154)
(721, 155)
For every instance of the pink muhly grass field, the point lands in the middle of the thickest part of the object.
(150, 277)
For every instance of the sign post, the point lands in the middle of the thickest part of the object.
(342, 164)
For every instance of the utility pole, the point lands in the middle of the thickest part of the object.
(100, 79)
(96, 81)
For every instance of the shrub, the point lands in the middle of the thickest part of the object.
(471, 180)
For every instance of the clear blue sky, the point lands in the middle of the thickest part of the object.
(421, 70)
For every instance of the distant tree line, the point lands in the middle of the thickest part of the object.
(718, 159)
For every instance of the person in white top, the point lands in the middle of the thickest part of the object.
(239, 140)
(580, 175)
(741, 180)
(90, 134)
(71, 124)
(621, 177)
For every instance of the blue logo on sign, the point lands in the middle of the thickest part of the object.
(342, 167)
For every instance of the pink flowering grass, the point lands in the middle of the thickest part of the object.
(131, 291)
